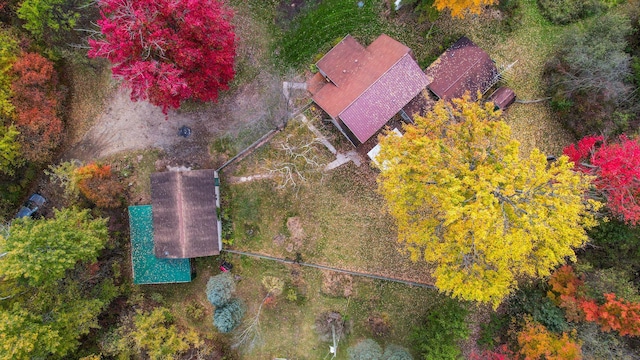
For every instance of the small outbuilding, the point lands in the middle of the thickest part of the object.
(146, 267)
(502, 98)
(462, 67)
(185, 220)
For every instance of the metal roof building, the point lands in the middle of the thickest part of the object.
(185, 220)
(146, 267)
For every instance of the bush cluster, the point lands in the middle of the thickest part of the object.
(444, 326)
(568, 11)
(229, 311)
(228, 317)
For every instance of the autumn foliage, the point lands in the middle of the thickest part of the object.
(467, 202)
(459, 7)
(614, 314)
(100, 185)
(616, 167)
(36, 101)
(501, 353)
(168, 51)
(538, 343)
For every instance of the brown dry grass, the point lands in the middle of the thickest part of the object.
(340, 211)
(89, 90)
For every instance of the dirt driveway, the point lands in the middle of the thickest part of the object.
(125, 125)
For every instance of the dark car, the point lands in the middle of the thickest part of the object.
(30, 206)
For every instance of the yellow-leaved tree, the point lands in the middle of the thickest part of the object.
(465, 201)
(459, 7)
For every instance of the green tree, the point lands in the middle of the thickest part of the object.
(437, 338)
(48, 302)
(590, 77)
(220, 289)
(41, 251)
(50, 21)
(228, 317)
(465, 201)
(8, 54)
(9, 150)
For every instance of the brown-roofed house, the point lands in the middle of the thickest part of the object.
(363, 88)
(463, 67)
(502, 98)
(185, 222)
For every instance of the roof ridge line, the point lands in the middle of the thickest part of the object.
(373, 83)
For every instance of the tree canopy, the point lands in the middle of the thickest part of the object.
(460, 7)
(616, 167)
(46, 303)
(168, 51)
(40, 251)
(465, 200)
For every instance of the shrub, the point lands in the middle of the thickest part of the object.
(228, 317)
(273, 285)
(366, 349)
(491, 332)
(100, 185)
(445, 325)
(536, 342)
(568, 11)
(395, 352)
(533, 301)
(325, 329)
(195, 311)
(220, 288)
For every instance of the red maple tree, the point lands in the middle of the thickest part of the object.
(100, 185)
(616, 167)
(36, 100)
(168, 51)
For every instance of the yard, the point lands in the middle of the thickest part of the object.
(288, 323)
(298, 210)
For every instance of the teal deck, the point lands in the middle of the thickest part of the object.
(147, 268)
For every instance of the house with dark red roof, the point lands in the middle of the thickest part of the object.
(462, 67)
(363, 88)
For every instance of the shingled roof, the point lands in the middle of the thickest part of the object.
(185, 223)
(463, 67)
(367, 86)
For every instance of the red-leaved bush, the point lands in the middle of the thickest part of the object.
(616, 167)
(100, 185)
(614, 314)
(36, 99)
(168, 51)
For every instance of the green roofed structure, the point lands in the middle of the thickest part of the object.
(147, 268)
